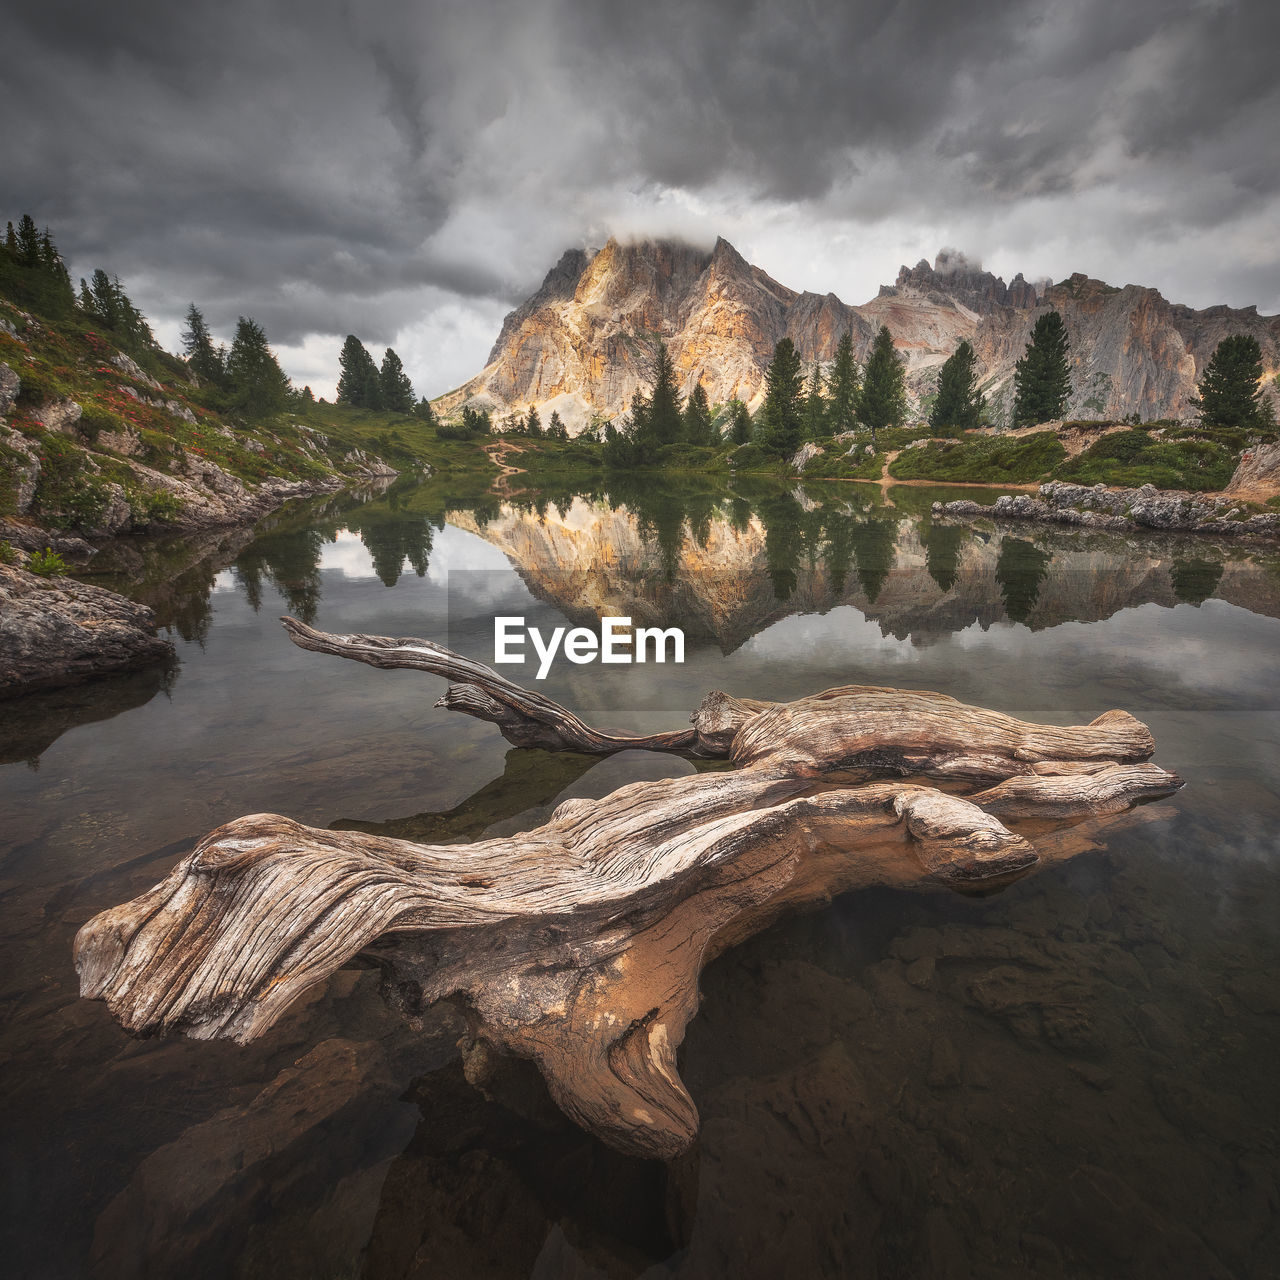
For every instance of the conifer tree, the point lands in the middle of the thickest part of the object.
(959, 404)
(740, 423)
(358, 382)
(843, 385)
(533, 423)
(28, 242)
(1042, 378)
(258, 385)
(203, 357)
(1231, 390)
(883, 400)
(665, 419)
(424, 410)
(395, 391)
(782, 413)
(815, 407)
(556, 430)
(698, 427)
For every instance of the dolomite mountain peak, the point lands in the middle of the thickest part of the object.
(583, 343)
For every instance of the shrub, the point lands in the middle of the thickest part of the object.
(47, 564)
(7, 554)
(1135, 457)
(94, 420)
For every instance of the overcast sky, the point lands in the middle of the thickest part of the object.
(408, 170)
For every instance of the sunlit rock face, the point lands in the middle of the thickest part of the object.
(582, 345)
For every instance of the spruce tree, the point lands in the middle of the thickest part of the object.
(1231, 390)
(842, 412)
(395, 391)
(1042, 378)
(665, 419)
(740, 423)
(698, 427)
(959, 404)
(197, 343)
(424, 410)
(556, 430)
(816, 424)
(358, 383)
(783, 412)
(883, 399)
(28, 242)
(258, 385)
(533, 423)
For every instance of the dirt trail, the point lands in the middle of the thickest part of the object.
(498, 454)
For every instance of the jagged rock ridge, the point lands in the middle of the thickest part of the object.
(583, 343)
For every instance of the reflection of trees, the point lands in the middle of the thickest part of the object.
(664, 507)
(391, 537)
(784, 540)
(290, 560)
(942, 543)
(1194, 581)
(875, 544)
(1020, 570)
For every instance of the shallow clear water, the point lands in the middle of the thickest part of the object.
(1074, 1077)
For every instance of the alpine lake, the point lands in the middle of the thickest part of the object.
(1074, 1077)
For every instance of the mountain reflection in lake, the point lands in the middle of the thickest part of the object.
(1072, 1078)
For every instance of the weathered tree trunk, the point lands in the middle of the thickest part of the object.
(579, 944)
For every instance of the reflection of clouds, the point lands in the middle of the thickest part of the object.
(347, 555)
(224, 582)
(457, 551)
(805, 635)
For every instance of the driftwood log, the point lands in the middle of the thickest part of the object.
(579, 944)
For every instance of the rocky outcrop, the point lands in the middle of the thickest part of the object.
(1258, 473)
(57, 632)
(1123, 509)
(10, 385)
(582, 344)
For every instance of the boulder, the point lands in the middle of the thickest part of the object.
(1258, 470)
(10, 385)
(58, 631)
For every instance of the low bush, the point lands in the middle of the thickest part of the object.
(1135, 457)
(47, 564)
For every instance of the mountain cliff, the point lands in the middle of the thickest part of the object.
(583, 343)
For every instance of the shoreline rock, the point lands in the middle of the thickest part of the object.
(59, 631)
(1123, 510)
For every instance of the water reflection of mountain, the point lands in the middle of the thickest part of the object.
(739, 562)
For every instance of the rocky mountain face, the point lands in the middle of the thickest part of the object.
(583, 344)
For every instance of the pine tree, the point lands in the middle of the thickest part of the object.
(395, 391)
(1042, 378)
(698, 427)
(842, 412)
(883, 400)
(815, 407)
(959, 404)
(28, 242)
(197, 343)
(556, 430)
(358, 383)
(1231, 392)
(783, 413)
(665, 419)
(533, 423)
(423, 409)
(258, 385)
(740, 423)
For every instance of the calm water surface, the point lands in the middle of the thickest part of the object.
(1075, 1077)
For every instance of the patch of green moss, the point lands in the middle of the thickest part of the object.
(1136, 457)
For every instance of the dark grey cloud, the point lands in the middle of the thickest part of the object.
(407, 170)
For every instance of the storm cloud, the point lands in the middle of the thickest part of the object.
(408, 171)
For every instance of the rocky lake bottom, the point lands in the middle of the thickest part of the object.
(1074, 1077)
